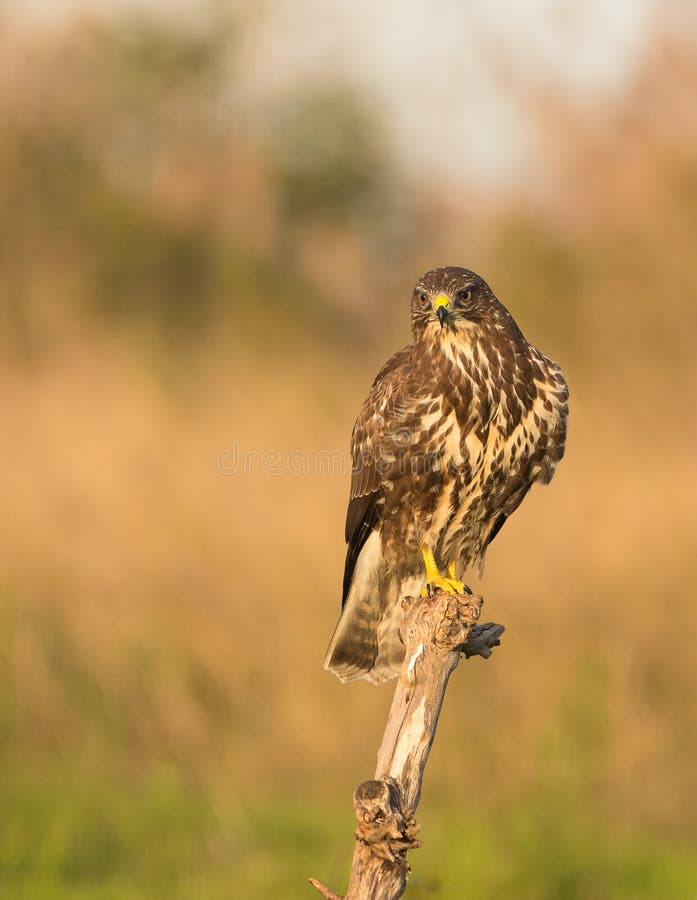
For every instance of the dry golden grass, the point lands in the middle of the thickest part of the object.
(199, 603)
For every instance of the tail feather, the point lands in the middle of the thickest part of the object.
(366, 642)
(358, 650)
(353, 648)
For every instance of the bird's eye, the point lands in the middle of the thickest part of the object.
(424, 302)
(464, 296)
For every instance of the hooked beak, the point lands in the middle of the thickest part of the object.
(441, 307)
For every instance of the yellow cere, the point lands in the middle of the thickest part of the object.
(441, 300)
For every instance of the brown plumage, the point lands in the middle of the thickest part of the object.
(456, 429)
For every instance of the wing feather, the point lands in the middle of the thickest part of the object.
(370, 437)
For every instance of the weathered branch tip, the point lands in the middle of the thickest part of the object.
(482, 639)
(324, 890)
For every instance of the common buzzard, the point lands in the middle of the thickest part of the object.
(456, 429)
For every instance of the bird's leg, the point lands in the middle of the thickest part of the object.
(432, 573)
(434, 579)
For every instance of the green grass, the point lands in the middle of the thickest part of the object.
(75, 836)
(67, 837)
(528, 854)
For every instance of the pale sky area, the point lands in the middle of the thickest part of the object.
(443, 69)
(438, 65)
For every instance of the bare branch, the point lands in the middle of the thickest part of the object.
(437, 630)
(482, 639)
(324, 890)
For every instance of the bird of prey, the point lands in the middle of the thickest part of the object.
(456, 429)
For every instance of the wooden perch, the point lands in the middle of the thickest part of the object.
(436, 631)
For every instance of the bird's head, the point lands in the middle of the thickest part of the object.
(452, 302)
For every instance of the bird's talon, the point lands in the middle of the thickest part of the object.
(449, 585)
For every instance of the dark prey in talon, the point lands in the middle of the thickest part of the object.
(456, 429)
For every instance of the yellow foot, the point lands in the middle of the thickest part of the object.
(435, 581)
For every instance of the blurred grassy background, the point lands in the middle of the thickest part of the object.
(183, 272)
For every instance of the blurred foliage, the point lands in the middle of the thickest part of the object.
(181, 270)
(331, 164)
(150, 199)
